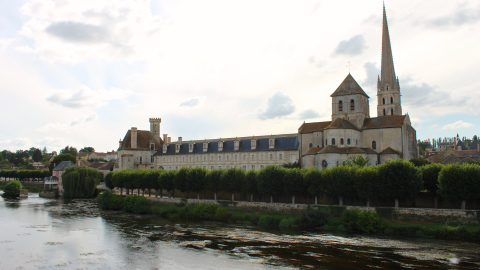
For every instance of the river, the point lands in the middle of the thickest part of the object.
(38, 233)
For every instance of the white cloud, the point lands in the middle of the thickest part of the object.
(308, 114)
(457, 125)
(354, 46)
(191, 102)
(72, 31)
(278, 105)
(5, 42)
(51, 142)
(16, 143)
(67, 127)
(84, 97)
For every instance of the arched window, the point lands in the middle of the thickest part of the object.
(387, 87)
(391, 110)
(352, 105)
(348, 141)
(341, 141)
(384, 112)
(310, 145)
(374, 145)
(383, 101)
(324, 164)
(340, 106)
(391, 100)
(333, 141)
(326, 142)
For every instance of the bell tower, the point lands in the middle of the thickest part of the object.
(388, 86)
(155, 126)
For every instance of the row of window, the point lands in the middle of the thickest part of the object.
(244, 167)
(140, 159)
(385, 112)
(342, 142)
(352, 105)
(219, 158)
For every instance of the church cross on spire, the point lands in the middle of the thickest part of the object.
(387, 76)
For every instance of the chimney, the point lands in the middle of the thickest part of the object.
(179, 139)
(120, 144)
(165, 138)
(169, 139)
(133, 138)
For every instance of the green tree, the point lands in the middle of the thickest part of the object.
(399, 179)
(166, 180)
(357, 160)
(62, 157)
(232, 180)
(291, 165)
(340, 181)
(419, 162)
(80, 182)
(430, 178)
(88, 150)
(294, 184)
(37, 155)
(181, 180)
(213, 179)
(460, 182)
(315, 182)
(367, 183)
(69, 150)
(196, 181)
(12, 189)
(1, 157)
(109, 180)
(251, 182)
(270, 180)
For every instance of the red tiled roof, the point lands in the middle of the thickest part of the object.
(313, 151)
(340, 123)
(388, 151)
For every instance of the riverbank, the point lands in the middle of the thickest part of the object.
(382, 221)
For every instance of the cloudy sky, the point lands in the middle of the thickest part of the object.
(82, 73)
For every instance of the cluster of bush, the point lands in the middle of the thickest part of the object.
(24, 174)
(394, 180)
(12, 189)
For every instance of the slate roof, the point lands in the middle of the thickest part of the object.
(340, 123)
(107, 166)
(83, 162)
(97, 165)
(283, 143)
(349, 87)
(461, 144)
(63, 165)
(312, 127)
(474, 145)
(468, 159)
(384, 121)
(143, 140)
(313, 151)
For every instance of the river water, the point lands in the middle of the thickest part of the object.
(38, 233)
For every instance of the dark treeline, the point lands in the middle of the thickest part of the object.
(24, 174)
(393, 180)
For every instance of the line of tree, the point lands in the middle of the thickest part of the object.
(394, 180)
(24, 174)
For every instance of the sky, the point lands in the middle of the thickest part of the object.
(82, 73)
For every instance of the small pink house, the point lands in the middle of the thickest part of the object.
(59, 170)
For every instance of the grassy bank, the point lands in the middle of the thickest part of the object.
(322, 218)
(30, 189)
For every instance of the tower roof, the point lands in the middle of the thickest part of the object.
(349, 87)
(388, 71)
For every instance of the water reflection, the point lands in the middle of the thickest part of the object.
(74, 234)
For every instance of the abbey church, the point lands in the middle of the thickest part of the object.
(352, 131)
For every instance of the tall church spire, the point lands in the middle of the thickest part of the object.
(388, 70)
(388, 86)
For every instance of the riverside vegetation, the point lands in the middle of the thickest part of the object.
(324, 218)
(392, 180)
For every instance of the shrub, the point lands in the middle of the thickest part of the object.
(12, 189)
(269, 221)
(109, 201)
(221, 214)
(314, 218)
(205, 211)
(369, 222)
(137, 204)
(350, 219)
(460, 182)
(288, 223)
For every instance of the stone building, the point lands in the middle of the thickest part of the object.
(351, 131)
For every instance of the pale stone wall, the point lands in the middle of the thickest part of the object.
(355, 137)
(314, 138)
(387, 157)
(361, 111)
(333, 159)
(245, 160)
(308, 161)
(131, 160)
(384, 137)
